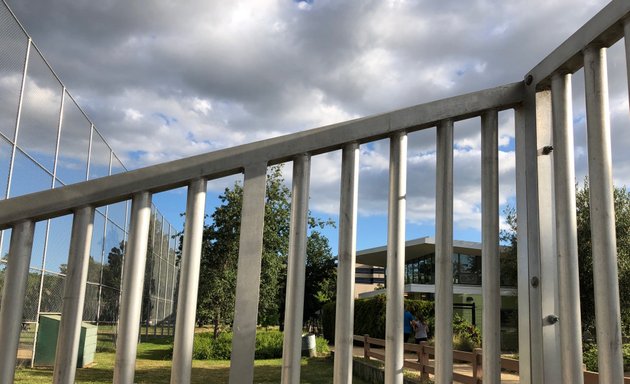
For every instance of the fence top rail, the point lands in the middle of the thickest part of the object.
(603, 30)
(178, 173)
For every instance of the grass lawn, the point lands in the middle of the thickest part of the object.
(154, 366)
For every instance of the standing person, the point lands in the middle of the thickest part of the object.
(421, 328)
(407, 319)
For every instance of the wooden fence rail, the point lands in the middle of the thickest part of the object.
(425, 352)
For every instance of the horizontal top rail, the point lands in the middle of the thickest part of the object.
(604, 30)
(178, 173)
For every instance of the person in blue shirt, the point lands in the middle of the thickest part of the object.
(407, 319)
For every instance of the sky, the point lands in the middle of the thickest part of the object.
(163, 80)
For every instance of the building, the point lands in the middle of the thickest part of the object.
(47, 141)
(420, 280)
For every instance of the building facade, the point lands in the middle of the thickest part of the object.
(420, 281)
(47, 141)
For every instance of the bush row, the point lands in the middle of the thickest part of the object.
(590, 357)
(268, 345)
(369, 316)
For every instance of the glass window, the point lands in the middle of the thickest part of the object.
(96, 249)
(90, 306)
(28, 177)
(41, 105)
(118, 212)
(114, 249)
(470, 269)
(58, 244)
(5, 161)
(52, 293)
(39, 239)
(109, 305)
(13, 45)
(74, 144)
(99, 157)
(455, 260)
(6, 240)
(32, 295)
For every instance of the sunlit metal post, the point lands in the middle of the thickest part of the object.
(13, 292)
(74, 296)
(394, 342)
(248, 274)
(626, 28)
(539, 339)
(490, 267)
(566, 230)
(132, 285)
(344, 319)
(443, 255)
(296, 270)
(603, 235)
(189, 282)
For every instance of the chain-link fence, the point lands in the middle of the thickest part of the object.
(47, 141)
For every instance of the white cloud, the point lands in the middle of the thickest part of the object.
(177, 79)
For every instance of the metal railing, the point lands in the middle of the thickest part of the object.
(549, 351)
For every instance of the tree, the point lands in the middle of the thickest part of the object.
(622, 227)
(219, 258)
(585, 258)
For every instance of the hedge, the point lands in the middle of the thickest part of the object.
(268, 345)
(369, 316)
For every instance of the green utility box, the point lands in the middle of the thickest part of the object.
(47, 341)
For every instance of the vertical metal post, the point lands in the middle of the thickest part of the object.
(602, 210)
(133, 282)
(539, 340)
(74, 296)
(490, 267)
(296, 271)
(394, 343)
(248, 275)
(344, 320)
(566, 230)
(443, 254)
(626, 28)
(191, 264)
(14, 290)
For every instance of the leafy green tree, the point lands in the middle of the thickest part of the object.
(585, 257)
(217, 286)
(622, 228)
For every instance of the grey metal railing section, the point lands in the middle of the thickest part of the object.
(550, 351)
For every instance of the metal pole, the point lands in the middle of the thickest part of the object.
(191, 265)
(603, 235)
(296, 270)
(248, 275)
(344, 320)
(626, 28)
(14, 290)
(74, 296)
(394, 357)
(133, 280)
(566, 230)
(490, 267)
(443, 255)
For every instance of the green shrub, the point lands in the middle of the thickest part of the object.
(321, 346)
(466, 336)
(589, 355)
(369, 316)
(205, 347)
(268, 344)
